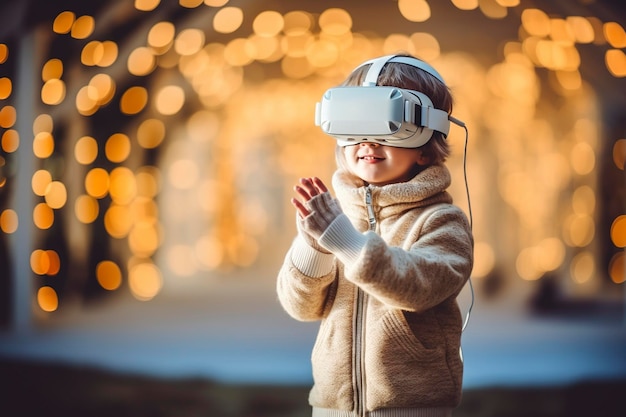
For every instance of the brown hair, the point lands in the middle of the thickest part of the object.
(397, 74)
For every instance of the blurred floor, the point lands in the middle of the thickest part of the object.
(236, 332)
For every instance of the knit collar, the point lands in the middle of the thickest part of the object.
(426, 188)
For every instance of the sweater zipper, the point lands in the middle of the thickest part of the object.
(371, 216)
(359, 329)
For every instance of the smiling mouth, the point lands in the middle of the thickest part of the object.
(371, 158)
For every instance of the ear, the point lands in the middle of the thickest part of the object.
(422, 159)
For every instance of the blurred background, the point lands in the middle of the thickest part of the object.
(148, 153)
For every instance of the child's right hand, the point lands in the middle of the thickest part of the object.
(318, 208)
(316, 211)
(307, 189)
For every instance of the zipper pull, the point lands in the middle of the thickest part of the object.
(370, 209)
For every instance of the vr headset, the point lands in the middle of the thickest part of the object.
(389, 116)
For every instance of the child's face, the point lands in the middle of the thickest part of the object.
(380, 165)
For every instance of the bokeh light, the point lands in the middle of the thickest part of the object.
(53, 92)
(145, 280)
(97, 182)
(86, 208)
(9, 221)
(109, 275)
(86, 150)
(178, 121)
(47, 299)
(150, 133)
(228, 19)
(134, 100)
(117, 147)
(43, 216)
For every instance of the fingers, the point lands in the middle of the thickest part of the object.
(302, 211)
(307, 189)
(310, 187)
(319, 184)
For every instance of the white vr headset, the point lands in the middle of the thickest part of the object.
(387, 115)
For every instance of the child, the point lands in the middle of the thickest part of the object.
(381, 266)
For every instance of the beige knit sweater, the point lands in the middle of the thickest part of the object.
(389, 338)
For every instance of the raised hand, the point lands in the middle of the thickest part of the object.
(307, 189)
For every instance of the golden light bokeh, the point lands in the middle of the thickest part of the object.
(297, 22)
(583, 267)
(40, 262)
(85, 102)
(118, 221)
(6, 87)
(618, 231)
(414, 10)
(86, 209)
(109, 275)
(101, 88)
(134, 100)
(63, 22)
(169, 100)
(465, 4)
(141, 61)
(4, 53)
(56, 195)
(97, 183)
(268, 23)
(117, 147)
(123, 187)
(615, 35)
(43, 123)
(53, 92)
(86, 150)
(146, 5)
(109, 54)
(10, 141)
(194, 84)
(83, 27)
(161, 37)
(40, 180)
(47, 299)
(43, 216)
(8, 116)
(228, 20)
(615, 60)
(145, 281)
(54, 262)
(144, 238)
(536, 22)
(9, 221)
(52, 69)
(216, 3)
(148, 182)
(335, 21)
(581, 28)
(189, 41)
(150, 133)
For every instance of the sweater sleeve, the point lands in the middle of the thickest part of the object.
(429, 270)
(304, 280)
